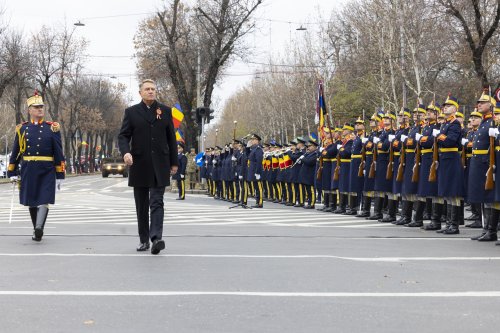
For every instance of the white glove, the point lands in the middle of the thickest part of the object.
(403, 137)
(339, 146)
(214, 162)
(464, 141)
(14, 179)
(364, 140)
(376, 140)
(435, 132)
(418, 136)
(301, 157)
(321, 149)
(257, 176)
(391, 137)
(58, 184)
(182, 176)
(493, 132)
(233, 158)
(240, 177)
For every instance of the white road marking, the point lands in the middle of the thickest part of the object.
(250, 256)
(451, 294)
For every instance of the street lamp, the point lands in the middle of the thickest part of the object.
(301, 28)
(79, 24)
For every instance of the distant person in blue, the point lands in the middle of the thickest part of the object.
(38, 152)
(180, 176)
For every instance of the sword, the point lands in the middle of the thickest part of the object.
(12, 202)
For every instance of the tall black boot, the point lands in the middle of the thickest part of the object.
(428, 209)
(391, 212)
(406, 213)
(33, 211)
(404, 207)
(333, 201)
(437, 210)
(385, 204)
(445, 212)
(475, 210)
(447, 216)
(454, 221)
(377, 209)
(342, 203)
(326, 203)
(418, 218)
(365, 211)
(461, 220)
(491, 232)
(353, 205)
(41, 217)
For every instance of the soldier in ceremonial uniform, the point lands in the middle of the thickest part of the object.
(427, 190)
(479, 165)
(180, 176)
(328, 153)
(38, 151)
(450, 174)
(383, 186)
(369, 183)
(292, 196)
(410, 146)
(216, 173)
(345, 148)
(474, 122)
(254, 173)
(337, 137)
(397, 145)
(308, 172)
(355, 180)
(299, 191)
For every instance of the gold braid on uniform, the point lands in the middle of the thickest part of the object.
(55, 127)
(22, 141)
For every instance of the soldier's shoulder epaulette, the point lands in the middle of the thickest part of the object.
(54, 126)
(18, 126)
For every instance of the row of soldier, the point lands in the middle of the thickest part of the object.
(426, 160)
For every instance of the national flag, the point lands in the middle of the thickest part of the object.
(320, 107)
(287, 161)
(177, 115)
(281, 162)
(179, 136)
(275, 162)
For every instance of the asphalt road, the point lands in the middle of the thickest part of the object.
(277, 269)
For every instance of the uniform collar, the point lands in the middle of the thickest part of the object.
(487, 116)
(432, 122)
(451, 118)
(37, 123)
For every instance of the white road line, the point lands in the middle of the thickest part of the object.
(247, 256)
(451, 294)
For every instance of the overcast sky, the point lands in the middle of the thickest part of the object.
(110, 26)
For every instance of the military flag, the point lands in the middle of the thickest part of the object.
(179, 136)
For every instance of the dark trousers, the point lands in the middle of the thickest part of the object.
(149, 199)
(181, 185)
(258, 192)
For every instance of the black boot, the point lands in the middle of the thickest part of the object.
(326, 204)
(404, 207)
(461, 220)
(406, 213)
(475, 209)
(33, 211)
(353, 205)
(446, 218)
(454, 221)
(428, 209)
(391, 208)
(41, 217)
(377, 209)
(342, 204)
(418, 219)
(365, 211)
(435, 224)
(333, 202)
(491, 232)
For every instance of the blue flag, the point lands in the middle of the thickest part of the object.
(199, 159)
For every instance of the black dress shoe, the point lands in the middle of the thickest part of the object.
(308, 207)
(257, 206)
(363, 214)
(298, 205)
(432, 226)
(35, 237)
(488, 237)
(475, 225)
(473, 217)
(289, 204)
(414, 224)
(143, 247)
(158, 245)
(453, 230)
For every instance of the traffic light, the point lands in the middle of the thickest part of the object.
(209, 115)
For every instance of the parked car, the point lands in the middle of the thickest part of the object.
(113, 166)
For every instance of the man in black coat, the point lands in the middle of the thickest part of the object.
(147, 144)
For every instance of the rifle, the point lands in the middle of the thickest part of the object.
(463, 156)
(490, 182)
(416, 169)
(371, 174)
(336, 173)
(362, 164)
(390, 166)
(401, 167)
(435, 156)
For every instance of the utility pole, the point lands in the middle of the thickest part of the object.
(402, 41)
(201, 143)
